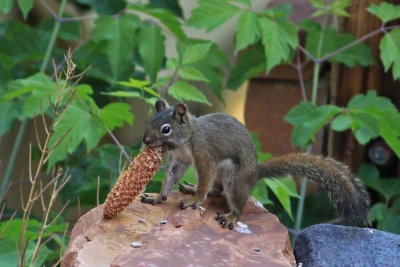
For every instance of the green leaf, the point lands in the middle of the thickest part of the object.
(184, 91)
(260, 192)
(212, 13)
(172, 63)
(119, 36)
(140, 84)
(250, 63)
(370, 101)
(82, 126)
(9, 254)
(9, 111)
(192, 74)
(317, 3)
(341, 123)
(114, 114)
(247, 3)
(195, 52)
(133, 94)
(165, 17)
(13, 40)
(369, 175)
(385, 11)
(151, 49)
(207, 60)
(25, 6)
(260, 155)
(105, 7)
(300, 113)
(248, 30)
(279, 38)
(365, 126)
(389, 129)
(390, 52)
(387, 219)
(283, 189)
(308, 119)
(38, 88)
(68, 30)
(6, 5)
(359, 54)
(170, 5)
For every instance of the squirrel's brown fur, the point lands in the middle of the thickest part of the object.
(224, 157)
(345, 191)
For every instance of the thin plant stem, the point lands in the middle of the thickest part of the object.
(317, 66)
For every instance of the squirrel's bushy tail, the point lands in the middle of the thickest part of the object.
(345, 191)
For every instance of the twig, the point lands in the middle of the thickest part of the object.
(369, 35)
(300, 73)
(79, 207)
(98, 190)
(172, 78)
(36, 133)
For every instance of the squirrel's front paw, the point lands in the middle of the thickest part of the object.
(145, 198)
(189, 203)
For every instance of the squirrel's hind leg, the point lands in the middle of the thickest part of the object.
(237, 191)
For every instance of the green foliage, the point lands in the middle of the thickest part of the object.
(151, 49)
(88, 128)
(248, 30)
(11, 238)
(250, 63)
(211, 14)
(115, 114)
(308, 119)
(6, 5)
(368, 116)
(359, 54)
(164, 16)
(182, 90)
(279, 37)
(119, 39)
(390, 52)
(260, 155)
(332, 7)
(194, 52)
(385, 11)
(105, 7)
(387, 212)
(25, 6)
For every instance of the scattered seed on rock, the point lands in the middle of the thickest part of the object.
(136, 244)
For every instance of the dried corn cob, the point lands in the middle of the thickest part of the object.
(132, 181)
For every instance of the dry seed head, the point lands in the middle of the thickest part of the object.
(132, 181)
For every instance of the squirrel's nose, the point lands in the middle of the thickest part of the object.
(146, 140)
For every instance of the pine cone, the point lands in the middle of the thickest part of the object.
(132, 181)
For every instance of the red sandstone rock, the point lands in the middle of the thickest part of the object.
(187, 238)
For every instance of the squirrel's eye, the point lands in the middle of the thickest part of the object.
(166, 129)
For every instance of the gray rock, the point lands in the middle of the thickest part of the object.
(335, 245)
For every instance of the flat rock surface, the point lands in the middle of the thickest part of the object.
(335, 245)
(164, 235)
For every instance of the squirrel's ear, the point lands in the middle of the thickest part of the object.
(161, 104)
(180, 113)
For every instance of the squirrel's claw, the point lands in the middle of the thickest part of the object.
(149, 199)
(187, 188)
(226, 219)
